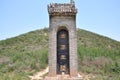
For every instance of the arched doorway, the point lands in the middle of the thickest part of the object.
(63, 52)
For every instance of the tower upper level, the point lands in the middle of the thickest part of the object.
(65, 9)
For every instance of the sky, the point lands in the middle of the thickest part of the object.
(22, 16)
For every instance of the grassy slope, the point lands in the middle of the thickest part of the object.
(23, 55)
(98, 55)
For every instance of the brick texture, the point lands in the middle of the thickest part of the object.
(58, 21)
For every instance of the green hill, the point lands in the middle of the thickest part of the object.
(26, 54)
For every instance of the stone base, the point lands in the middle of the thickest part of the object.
(63, 77)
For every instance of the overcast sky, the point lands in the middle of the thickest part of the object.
(21, 16)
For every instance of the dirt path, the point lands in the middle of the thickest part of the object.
(39, 75)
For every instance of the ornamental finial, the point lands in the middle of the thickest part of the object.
(71, 1)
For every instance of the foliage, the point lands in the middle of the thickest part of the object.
(26, 54)
(98, 55)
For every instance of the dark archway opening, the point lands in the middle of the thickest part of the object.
(63, 52)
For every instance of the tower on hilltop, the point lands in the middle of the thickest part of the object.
(62, 39)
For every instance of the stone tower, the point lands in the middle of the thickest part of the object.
(62, 39)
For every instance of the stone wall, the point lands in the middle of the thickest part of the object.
(57, 22)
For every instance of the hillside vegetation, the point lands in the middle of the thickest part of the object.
(26, 54)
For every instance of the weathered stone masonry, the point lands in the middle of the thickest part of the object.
(62, 16)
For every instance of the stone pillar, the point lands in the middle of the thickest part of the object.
(62, 16)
